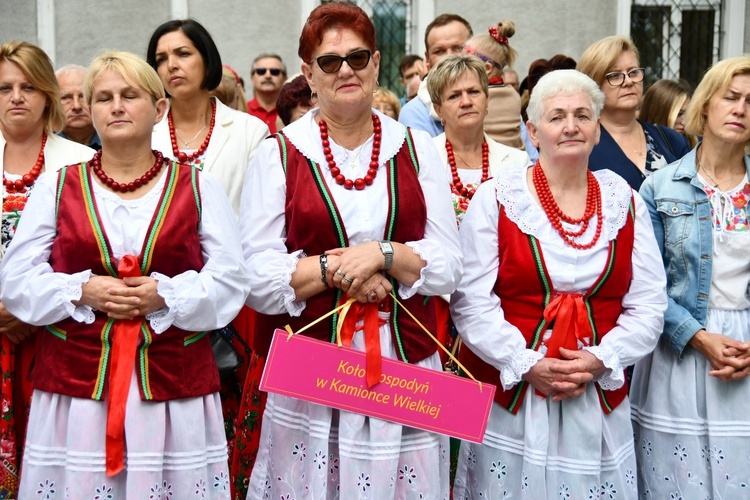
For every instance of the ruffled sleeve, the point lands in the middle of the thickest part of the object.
(642, 319)
(439, 248)
(475, 308)
(212, 297)
(263, 233)
(31, 290)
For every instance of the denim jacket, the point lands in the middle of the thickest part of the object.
(681, 215)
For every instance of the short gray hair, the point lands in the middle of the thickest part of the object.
(563, 81)
(267, 55)
(71, 68)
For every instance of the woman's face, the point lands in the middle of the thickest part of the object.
(464, 103)
(299, 111)
(21, 103)
(679, 121)
(728, 113)
(628, 95)
(568, 127)
(345, 90)
(121, 111)
(384, 107)
(179, 64)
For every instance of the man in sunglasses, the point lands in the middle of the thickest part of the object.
(446, 35)
(267, 76)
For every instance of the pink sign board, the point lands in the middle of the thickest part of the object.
(329, 375)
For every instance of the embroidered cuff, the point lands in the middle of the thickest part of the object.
(427, 251)
(521, 362)
(293, 306)
(163, 318)
(73, 291)
(614, 377)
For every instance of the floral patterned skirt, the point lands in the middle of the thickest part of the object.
(569, 449)
(309, 451)
(174, 449)
(15, 400)
(692, 430)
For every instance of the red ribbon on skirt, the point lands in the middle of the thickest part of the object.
(124, 343)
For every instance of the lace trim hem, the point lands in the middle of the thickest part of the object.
(163, 318)
(520, 364)
(299, 134)
(521, 208)
(73, 290)
(422, 249)
(614, 377)
(293, 307)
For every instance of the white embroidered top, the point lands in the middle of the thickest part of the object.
(477, 311)
(364, 213)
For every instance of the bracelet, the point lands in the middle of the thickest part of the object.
(324, 269)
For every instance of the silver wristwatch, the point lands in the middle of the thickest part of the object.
(387, 249)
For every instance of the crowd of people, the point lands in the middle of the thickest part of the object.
(577, 243)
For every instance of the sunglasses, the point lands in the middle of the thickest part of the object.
(358, 59)
(262, 71)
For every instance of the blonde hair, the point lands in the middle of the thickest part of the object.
(230, 91)
(388, 97)
(717, 79)
(662, 103)
(488, 47)
(598, 59)
(37, 67)
(134, 70)
(450, 69)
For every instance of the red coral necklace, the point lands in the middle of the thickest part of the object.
(372, 172)
(96, 166)
(190, 158)
(457, 187)
(28, 179)
(556, 216)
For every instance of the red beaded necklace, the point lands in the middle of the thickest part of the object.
(556, 215)
(96, 166)
(28, 179)
(190, 158)
(457, 187)
(372, 172)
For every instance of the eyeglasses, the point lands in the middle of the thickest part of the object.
(618, 78)
(262, 71)
(356, 60)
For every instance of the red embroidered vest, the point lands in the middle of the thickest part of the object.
(73, 358)
(308, 202)
(525, 289)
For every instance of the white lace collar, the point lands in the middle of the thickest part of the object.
(522, 209)
(305, 135)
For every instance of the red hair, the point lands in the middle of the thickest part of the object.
(330, 16)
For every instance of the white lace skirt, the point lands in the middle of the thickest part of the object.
(174, 450)
(692, 430)
(309, 451)
(568, 450)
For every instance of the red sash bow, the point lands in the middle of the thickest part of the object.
(124, 343)
(369, 313)
(571, 323)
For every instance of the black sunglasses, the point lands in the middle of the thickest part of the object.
(262, 71)
(358, 59)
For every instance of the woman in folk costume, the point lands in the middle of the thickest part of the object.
(347, 202)
(30, 111)
(126, 261)
(563, 289)
(690, 397)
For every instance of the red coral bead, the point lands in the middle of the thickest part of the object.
(359, 184)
